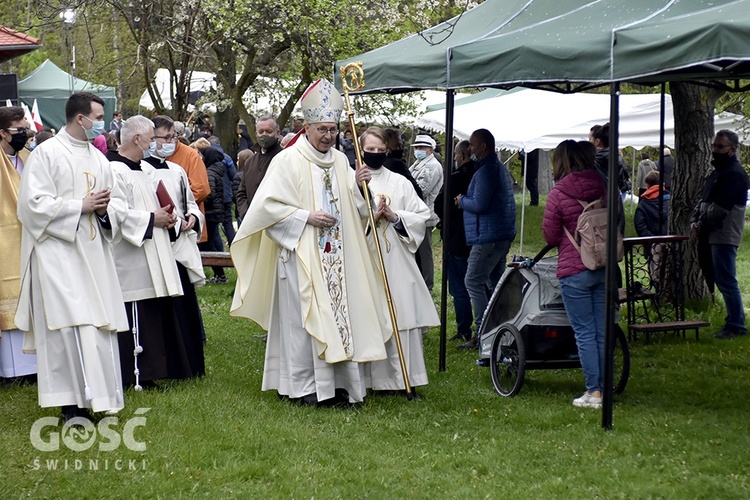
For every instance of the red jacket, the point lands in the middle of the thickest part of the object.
(563, 209)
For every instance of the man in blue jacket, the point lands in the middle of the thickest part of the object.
(490, 224)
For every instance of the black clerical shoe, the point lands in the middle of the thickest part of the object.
(71, 412)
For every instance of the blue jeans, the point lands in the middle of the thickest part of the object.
(461, 301)
(484, 269)
(583, 296)
(724, 258)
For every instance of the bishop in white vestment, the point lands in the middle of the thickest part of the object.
(304, 270)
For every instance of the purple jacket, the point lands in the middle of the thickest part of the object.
(563, 209)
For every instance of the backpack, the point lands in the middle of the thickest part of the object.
(591, 236)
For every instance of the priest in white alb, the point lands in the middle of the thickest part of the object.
(153, 348)
(70, 303)
(401, 221)
(184, 237)
(304, 270)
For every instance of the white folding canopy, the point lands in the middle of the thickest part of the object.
(535, 119)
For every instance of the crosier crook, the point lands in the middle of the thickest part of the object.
(352, 79)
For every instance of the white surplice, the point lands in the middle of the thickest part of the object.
(146, 267)
(415, 309)
(316, 291)
(71, 306)
(185, 246)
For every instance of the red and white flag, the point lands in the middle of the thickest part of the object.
(27, 116)
(36, 117)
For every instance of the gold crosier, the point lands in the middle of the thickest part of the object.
(352, 79)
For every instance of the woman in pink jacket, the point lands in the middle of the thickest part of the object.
(582, 290)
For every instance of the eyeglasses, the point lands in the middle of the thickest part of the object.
(18, 130)
(721, 146)
(168, 138)
(326, 130)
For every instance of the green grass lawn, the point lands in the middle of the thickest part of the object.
(680, 429)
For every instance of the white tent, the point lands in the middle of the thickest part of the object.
(535, 119)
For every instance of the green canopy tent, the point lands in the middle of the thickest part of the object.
(646, 41)
(51, 87)
(569, 46)
(420, 61)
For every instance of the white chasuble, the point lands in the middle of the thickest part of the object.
(301, 283)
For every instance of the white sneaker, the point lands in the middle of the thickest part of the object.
(588, 401)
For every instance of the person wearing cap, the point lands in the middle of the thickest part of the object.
(428, 173)
(305, 272)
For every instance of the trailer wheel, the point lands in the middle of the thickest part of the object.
(508, 361)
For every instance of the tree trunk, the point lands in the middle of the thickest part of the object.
(227, 117)
(694, 107)
(544, 181)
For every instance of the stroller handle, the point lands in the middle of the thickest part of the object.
(529, 263)
(541, 254)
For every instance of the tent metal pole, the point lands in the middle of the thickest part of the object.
(523, 198)
(610, 298)
(662, 122)
(447, 170)
(633, 188)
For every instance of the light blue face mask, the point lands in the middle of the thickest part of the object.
(420, 154)
(166, 150)
(147, 153)
(474, 158)
(97, 128)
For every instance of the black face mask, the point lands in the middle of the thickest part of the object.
(373, 160)
(18, 141)
(720, 159)
(396, 153)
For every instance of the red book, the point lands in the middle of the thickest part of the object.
(164, 198)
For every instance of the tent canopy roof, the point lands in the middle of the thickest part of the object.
(562, 44)
(48, 80)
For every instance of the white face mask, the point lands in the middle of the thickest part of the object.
(166, 150)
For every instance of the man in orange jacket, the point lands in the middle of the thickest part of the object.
(191, 161)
